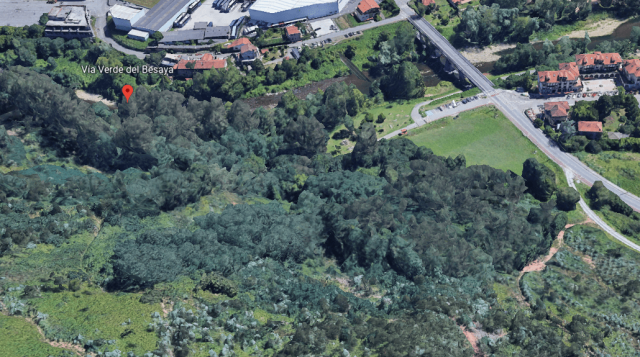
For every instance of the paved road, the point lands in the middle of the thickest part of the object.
(103, 34)
(605, 227)
(455, 57)
(513, 106)
(341, 33)
(506, 102)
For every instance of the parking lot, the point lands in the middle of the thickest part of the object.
(22, 12)
(206, 13)
(27, 12)
(599, 85)
(324, 27)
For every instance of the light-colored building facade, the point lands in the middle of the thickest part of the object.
(69, 21)
(138, 35)
(598, 62)
(249, 53)
(567, 79)
(277, 11)
(631, 74)
(293, 33)
(367, 10)
(125, 16)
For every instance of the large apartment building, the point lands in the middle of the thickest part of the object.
(631, 74)
(567, 79)
(598, 62)
(587, 66)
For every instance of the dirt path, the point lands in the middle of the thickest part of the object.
(78, 350)
(94, 98)
(540, 264)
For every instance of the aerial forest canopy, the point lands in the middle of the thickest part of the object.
(429, 233)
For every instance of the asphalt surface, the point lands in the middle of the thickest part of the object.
(513, 105)
(339, 35)
(622, 239)
(458, 60)
(508, 104)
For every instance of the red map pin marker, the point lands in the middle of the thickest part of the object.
(127, 90)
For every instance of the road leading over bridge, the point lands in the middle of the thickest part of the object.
(458, 60)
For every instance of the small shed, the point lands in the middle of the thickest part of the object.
(138, 35)
(125, 16)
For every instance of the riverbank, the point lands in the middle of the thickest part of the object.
(604, 27)
(486, 54)
(598, 30)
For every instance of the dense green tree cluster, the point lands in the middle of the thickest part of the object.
(550, 56)
(419, 239)
(500, 20)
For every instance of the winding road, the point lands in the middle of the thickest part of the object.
(513, 105)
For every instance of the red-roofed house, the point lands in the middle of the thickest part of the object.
(567, 79)
(590, 129)
(631, 74)
(556, 112)
(237, 44)
(367, 10)
(293, 33)
(428, 2)
(249, 53)
(598, 61)
(182, 68)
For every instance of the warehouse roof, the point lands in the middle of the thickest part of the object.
(274, 6)
(201, 25)
(123, 12)
(162, 13)
(217, 31)
(179, 36)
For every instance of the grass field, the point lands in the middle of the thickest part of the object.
(18, 337)
(96, 314)
(621, 168)
(485, 137)
(398, 115)
(145, 3)
(364, 43)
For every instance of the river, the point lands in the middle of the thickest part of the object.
(362, 80)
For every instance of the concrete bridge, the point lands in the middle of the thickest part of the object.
(456, 61)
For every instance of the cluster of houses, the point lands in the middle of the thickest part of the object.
(569, 77)
(557, 112)
(185, 66)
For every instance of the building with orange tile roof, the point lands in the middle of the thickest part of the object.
(207, 62)
(599, 62)
(567, 79)
(249, 53)
(237, 44)
(293, 33)
(590, 129)
(367, 10)
(428, 2)
(556, 112)
(631, 74)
